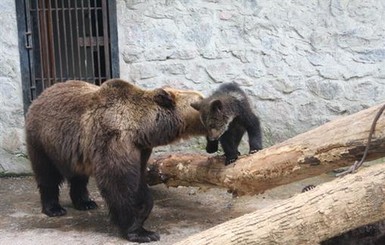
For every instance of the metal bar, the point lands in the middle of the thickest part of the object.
(32, 67)
(76, 42)
(22, 13)
(71, 42)
(35, 52)
(39, 87)
(96, 24)
(46, 47)
(59, 40)
(52, 60)
(106, 39)
(65, 43)
(113, 36)
(90, 35)
(84, 35)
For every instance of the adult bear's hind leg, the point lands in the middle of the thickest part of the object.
(48, 180)
(79, 193)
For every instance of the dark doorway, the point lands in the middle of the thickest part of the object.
(65, 40)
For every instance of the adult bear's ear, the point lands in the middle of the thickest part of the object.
(216, 105)
(164, 98)
(196, 105)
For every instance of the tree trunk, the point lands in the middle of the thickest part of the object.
(308, 218)
(335, 144)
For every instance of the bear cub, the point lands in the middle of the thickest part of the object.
(227, 115)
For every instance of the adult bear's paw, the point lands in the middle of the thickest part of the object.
(54, 210)
(85, 205)
(142, 235)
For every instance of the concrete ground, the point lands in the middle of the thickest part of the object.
(17, 164)
(178, 213)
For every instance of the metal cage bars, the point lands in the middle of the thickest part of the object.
(68, 40)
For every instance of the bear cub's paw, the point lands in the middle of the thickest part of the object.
(142, 235)
(253, 151)
(54, 210)
(230, 160)
(85, 205)
(211, 149)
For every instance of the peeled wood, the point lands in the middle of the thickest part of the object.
(308, 218)
(335, 144)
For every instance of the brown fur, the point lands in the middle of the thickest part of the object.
(190, 116)
(76, 129)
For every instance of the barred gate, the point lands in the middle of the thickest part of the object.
(66, 39)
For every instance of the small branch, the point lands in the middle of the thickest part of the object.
(358, 164)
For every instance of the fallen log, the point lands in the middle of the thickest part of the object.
(335, 144)
(308, 218)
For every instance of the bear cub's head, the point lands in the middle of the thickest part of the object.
(214, 116)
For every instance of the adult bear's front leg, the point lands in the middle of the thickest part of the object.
(128, 198)
(129, 205)
(144, 207)
(142, 235)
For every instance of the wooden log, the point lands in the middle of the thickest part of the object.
(335, 144)
(308, 218)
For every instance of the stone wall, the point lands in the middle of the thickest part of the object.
(11, 99)
(303, 62)
(10, 83)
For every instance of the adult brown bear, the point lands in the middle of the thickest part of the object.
(75, 129)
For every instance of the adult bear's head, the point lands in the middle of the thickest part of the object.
(119, 89)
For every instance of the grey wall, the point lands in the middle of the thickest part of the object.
(11, 99)
(303, 62)
(10, 85)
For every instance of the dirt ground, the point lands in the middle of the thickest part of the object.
(177, 213)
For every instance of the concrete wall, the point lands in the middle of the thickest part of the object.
(303, 62)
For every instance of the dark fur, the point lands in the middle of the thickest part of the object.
(76, 129)
(226, 115)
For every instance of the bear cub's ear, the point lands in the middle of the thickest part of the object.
(164, 98)
(196, 105)
(216, 105)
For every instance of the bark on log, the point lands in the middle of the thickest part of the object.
(335, 144)
(308, 218)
